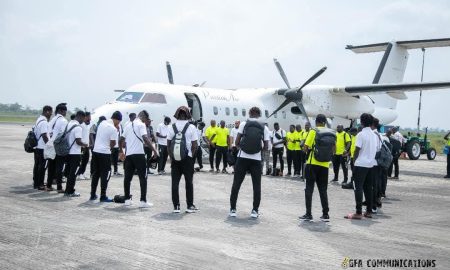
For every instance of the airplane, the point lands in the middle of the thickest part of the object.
(287, 105)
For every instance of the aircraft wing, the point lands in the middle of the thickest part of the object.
(396, 90)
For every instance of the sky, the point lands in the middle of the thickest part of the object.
(79, 51)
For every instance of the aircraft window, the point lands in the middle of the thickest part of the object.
(131, 97)
(284, 114)
(244, 112)
(267, 113)
(154, 98)
(235, 112)
(216, 111)
(227, 111)
(295, 110)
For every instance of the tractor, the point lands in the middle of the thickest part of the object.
(416, 145)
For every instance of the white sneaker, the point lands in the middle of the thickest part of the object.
(232, 213)
(128, 202)
(81, 177)
(176, 209)
(254, 214)
(143, 204)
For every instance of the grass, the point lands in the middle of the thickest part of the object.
(18, 118)
(437, 141)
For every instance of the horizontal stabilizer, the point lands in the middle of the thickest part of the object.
(408, 44)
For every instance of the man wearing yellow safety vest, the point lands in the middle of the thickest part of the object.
(210, 138)
(297, 149)
(302, 152)
(447, 147)
(340, 158)
(291, 138)
(353, 133)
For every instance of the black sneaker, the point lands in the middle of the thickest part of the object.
(197, 169)
(447, 176)
(176, 209)
(364, 203)
(334, 180)
(224, 171)
(347, 185)
(325, 218)
(306, 217)
(93, 197)
(105, 199)
(218, 171)
(191, 209)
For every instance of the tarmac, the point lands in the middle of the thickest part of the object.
(44, 230)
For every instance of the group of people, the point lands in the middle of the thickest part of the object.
(248, 145)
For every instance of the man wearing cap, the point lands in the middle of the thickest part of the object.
(134, 136)
(106, 137)
(184, 166)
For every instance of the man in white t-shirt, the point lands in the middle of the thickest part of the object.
(233, 137)
(74, 138)
(250, 135)
(86, 126)
(56, 166)
(161, 135)
(42, 136)
(134, 136)
(365, 151)
(199, 153)
(115, 149)
(278, 139)
(105, 140)
(185, 166)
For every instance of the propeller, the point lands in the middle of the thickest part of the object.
(169, 72)
(295, 94)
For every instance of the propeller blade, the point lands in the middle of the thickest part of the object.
(285, 102)
(281, 71)
(169, 72)
(302, 109)
(318, 73)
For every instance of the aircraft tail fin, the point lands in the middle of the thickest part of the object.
(393, 64)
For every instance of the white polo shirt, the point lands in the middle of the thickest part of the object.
(233, 134)
(57, 125)
(282, 134)
(190, 135)
(133, 137)
(119, 132)
(367, 141)
(256, 156)
(106, 132)
(76, 133)
(41, 127)
(163, 130)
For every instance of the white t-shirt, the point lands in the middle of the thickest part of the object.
(86, 129)
(133, 139)
(106, 132)
(76, 133)
(163, 130)
(256, 156)
(190, 136)
(280, 132)
(119, 132)
(233, 134)
(367, 141)
(57, 125)
(41, 127)
(399, 137)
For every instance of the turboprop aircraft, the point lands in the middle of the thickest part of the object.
(287, 105)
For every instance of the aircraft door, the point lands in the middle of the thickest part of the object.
(196, 107)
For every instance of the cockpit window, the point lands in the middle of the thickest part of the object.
(131, 97)
(154, 98)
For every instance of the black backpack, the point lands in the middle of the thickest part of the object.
(178, 144)
(384, 156)
(31, 141)
(396, 147)
(324, 144)
(252, 137)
